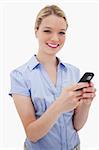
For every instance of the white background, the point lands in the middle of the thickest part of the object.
(18, 44)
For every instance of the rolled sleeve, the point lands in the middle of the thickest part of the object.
(18, 84)
(77, 74)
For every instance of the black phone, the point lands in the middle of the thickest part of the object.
(86, 78)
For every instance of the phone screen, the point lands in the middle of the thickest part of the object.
(87, 77)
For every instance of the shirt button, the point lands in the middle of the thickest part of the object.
(56, 95)
(62, 126)
(63, 144)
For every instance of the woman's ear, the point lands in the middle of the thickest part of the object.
(36, 33)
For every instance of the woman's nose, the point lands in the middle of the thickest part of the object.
(55, 38)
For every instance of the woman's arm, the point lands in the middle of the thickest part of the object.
(82, 111)
(37, 128)
(80, 115)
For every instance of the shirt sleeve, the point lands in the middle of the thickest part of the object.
(77, 74)
(18, 84)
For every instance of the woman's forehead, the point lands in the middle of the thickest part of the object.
(53, 21)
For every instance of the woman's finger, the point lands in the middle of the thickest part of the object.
(89, 89)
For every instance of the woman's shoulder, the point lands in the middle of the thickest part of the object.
(70, 66)
(72, 71)
(23, 68)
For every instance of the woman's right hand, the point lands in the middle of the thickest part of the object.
(69, 98)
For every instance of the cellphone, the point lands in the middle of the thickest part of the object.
(86, 78)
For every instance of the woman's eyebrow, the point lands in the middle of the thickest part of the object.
(52, 28)
(63, 29)
(48, 27)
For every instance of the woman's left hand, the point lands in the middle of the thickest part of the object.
(88, 94)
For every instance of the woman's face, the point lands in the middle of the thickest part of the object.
(51, 34)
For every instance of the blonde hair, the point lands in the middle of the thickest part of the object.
(47, 11)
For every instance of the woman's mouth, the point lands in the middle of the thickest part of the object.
(52, 45)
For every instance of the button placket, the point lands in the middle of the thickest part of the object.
(63, 132)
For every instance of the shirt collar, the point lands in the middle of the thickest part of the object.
(61, 63)
(33, 62)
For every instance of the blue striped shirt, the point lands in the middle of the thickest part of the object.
(31, 79)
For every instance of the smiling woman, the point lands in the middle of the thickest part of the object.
(51, 34)
(45, 89)
(50, 29)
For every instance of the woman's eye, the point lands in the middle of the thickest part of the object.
(48, 31)
(62, 33)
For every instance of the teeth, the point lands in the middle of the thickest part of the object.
(53, 45)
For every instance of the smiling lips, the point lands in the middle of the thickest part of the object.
(52, 45)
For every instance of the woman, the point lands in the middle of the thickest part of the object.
(45, 90)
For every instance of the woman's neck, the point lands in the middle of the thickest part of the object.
(47, 60)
